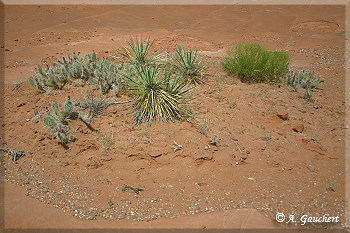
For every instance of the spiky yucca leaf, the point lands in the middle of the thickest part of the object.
(189, 62)
(137, 51)
(158, 94)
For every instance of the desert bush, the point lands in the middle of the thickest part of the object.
(189, 62)
(137, 51)
(255, 64)
(159, 92)
(305, 80)
(94, 103)
(59, 121)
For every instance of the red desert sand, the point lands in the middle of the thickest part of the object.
(258, 165)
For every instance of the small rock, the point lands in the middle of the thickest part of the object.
(202, 184)
(283, 116)
(267, 156)
(36, 101)
(207, 147)
(305, 140)
(106, 51)
(267, 138)
(234, 139)
(252, 179)
(21, 104)
(203, 227)
(311, 169)
(299, 128)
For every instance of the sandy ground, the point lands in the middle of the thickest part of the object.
(16, 206)
(275, 169)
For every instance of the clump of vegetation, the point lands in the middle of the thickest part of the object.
(94, 103)
(137, 51)
(49, 78)
(189, 62)
(108, 141)
(158, 92)
(106, 76)
(305, 80)
(59, 121)
(80, 69)
(253, 63)
(146, 134)
(159, 84)
(203, 126)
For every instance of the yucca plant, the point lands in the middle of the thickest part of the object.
(158, 92)
(189, 62)
(137, 51)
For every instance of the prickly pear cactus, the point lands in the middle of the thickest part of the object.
(106, 76)
(58, 121)
(79, 68)
(305, 80)
(49, 78)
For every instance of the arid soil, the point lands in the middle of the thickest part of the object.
(237, 153)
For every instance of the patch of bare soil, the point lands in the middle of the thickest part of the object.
(236, 153)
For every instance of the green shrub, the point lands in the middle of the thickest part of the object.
(158, 93)
(255, 64)
(189, 62)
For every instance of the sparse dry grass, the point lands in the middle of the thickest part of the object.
(203, 125)
(107, 140)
